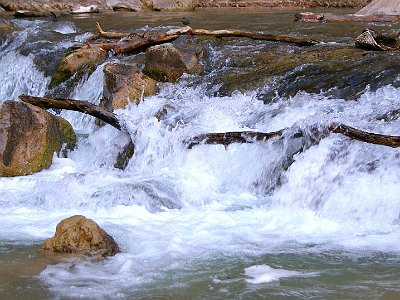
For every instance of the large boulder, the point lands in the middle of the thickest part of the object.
(81, 236)
(80, 61)
(169, 61)
(29, 136)
(123, 84)
(381, 7)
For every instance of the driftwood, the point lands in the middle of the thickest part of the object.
(227, 138)
(158, 38)
(371, 40)
(75, 105)
(309, 17)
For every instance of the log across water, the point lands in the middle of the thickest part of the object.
(224, 138)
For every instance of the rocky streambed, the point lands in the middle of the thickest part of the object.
(307, 215)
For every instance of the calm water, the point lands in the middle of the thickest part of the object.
(234, 223)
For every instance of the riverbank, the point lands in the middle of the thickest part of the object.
(162, 5)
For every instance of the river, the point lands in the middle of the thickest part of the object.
(239, 222)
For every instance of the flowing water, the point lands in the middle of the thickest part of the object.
(248, 221)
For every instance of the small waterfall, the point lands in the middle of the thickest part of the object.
(202, 216)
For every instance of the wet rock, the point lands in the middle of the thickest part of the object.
(80, 61)
(29, 136)
(161, 5)
(82, 237)
(168, 62)
(123, 84)
(6, 29)
(371, 40)
(124, 156)
(338, 71)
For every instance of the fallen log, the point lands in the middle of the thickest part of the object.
(75, 105)
(309, 17)
(224, 138)
(227, 138)
(203, 32)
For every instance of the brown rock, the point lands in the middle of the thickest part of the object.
(81, 60)
(125, 84)
(125, 5)
(81, 236)
(160, 5)
(6, 29)
(29, 136)
(381, 7)
(168, 62)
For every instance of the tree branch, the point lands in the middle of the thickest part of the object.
(203, 32)
(227, 138)
(75, 105)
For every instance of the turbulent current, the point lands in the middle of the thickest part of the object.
(246, 221)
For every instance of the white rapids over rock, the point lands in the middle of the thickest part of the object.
(173, 208)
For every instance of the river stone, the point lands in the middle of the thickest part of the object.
(29, 136)
(80, 61)
(124, 5)
(169, 61)
(123, 84)
(81, 236)
(161, 5)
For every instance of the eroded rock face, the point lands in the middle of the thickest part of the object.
(29, 136)
(81, 236)
(81, 60)
(123, 84)
(168, 62)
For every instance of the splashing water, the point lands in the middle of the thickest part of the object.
(215, 221)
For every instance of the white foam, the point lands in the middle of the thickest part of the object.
(263, 273)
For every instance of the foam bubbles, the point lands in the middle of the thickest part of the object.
(262, 274)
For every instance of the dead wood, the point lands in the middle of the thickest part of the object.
(254, 36)
(224, 138)
(75, 105)
(137, 43)
(175, 33)
(309, 17)
(227, 138)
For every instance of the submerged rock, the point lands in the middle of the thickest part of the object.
(78, 62)
(81, 236)
(29, 136)
(168, 62)
(123, 84)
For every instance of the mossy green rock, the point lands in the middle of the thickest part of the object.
(80, 61)
(123, 84)
(29, 136)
